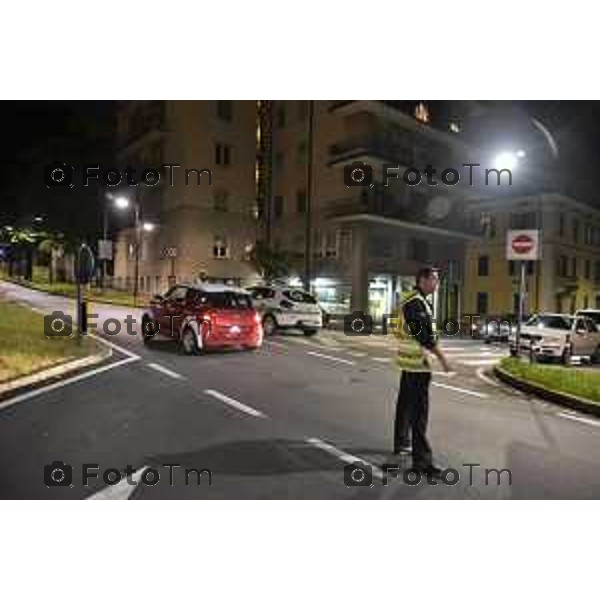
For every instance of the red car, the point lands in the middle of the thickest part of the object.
(202, 317)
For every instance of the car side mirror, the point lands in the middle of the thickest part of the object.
(156, 299)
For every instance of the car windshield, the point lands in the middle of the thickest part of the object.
(223, 299)
(300, 296)
(550, 322)
(594, 316)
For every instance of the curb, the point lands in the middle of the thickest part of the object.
(568, 400)
(56, 372)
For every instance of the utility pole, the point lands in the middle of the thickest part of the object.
(138, 236)
(309, 178)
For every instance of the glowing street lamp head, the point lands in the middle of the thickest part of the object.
(148, 226)
(506, 160)
(121, 202)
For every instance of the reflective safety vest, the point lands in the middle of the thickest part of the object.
(411, 356)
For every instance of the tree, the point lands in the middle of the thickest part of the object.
(270, 263)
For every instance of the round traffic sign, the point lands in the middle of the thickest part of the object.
(522, 244)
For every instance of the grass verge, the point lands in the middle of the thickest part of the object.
(583, 383)
(24, 349)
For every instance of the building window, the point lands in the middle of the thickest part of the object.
(597, 271)
(574, 267)
(278, 207)
(511, 268)
(561, 225)
(281, 115)
(482, 303)
(220, 248)
(530, 267)
(589, 237)
(220, 201)
(562, 265)
(523, 220)
(483, 267)
(586, 301)
(301, 201)
(576, 231)
(422, 113)
(301, 152)
(225, 110)
(222, 154)
(588, 269)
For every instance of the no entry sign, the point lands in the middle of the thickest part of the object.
(523, 244)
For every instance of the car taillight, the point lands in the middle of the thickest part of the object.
(257, 318)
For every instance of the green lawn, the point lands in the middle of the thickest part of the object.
(581, 382)
(92, 294)
(25, 349)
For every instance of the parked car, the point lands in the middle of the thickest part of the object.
(493, 328)
(204, 316)
(287, 308)
(558, 337)
(590, 313)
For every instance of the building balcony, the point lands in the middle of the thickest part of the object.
(378, 147)
(377, 205)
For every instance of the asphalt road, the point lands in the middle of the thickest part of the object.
(282, 422)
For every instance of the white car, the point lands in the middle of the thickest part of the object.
(286, 308)
(590, 313)
(559, 337)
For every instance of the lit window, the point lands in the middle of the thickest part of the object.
(422, 113)
(220, 248)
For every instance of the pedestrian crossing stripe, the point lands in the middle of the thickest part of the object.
(479, 363)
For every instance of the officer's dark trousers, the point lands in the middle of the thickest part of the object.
(412, 410)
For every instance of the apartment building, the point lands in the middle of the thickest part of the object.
(366, 242)
(200, 226)
(566, 278)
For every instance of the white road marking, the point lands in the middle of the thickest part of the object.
(485, 378)
(165, 371)
(343, 456)
(121, 490)
(131, 357)
(476, 354)
(380, 359)
(445, 373)
(357, 354)
(276, 344)
(568, 415)
(235, 403)
(334, 358)
(485, 362)
(461, 390)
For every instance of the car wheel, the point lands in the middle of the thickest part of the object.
(309, 332)
(146, 338)
(189, 342)
(487, 341)
(596, 356)
(269, 325)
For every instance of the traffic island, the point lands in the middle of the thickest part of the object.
(28, 357)
(576, 388)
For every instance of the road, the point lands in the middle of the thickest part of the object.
(282, 422)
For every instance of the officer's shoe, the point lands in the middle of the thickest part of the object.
(430, 470)
(403, 448)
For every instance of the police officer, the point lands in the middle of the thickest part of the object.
(416, 341)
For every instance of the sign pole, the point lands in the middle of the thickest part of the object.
(521, 302)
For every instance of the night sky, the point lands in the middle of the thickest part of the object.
(37, 132)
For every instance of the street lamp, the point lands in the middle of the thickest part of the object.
(508, 160)
(123, 203)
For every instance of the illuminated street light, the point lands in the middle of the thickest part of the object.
(122, 202)
(506, 160)
(148, 226)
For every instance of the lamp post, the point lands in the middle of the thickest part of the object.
(123, 203)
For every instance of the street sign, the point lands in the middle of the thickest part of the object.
(105, 250)
(84, 264)
(523, 244)
(170, 251)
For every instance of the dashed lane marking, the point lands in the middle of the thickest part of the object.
(332, 358)
(165, 371)
(235, 403)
